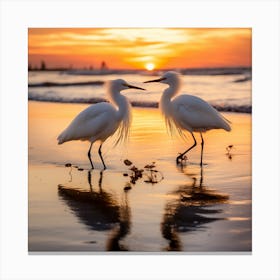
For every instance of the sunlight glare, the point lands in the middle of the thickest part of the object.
(150, 66)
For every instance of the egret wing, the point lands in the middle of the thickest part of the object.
(195, 114)
(90, 124)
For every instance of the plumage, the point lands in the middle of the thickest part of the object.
(195, 114)
(102, 120)
(92, 124)
(187, 112)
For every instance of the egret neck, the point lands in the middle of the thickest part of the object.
(123, 113)
(120, 102)
(166, 97)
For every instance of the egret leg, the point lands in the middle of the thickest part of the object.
(181, 155)
(202, 145)
(100, 154)
(89, 156)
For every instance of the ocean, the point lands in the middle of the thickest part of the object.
(186, 207)
(227, 89)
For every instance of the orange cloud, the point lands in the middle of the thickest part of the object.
(135, 47)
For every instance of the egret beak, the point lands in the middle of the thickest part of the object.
(130, 86)
(154, 81)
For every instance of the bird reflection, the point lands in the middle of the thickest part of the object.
(123, 229)
(189, 211)
(99, 210)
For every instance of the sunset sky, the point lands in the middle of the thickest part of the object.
(123, 48)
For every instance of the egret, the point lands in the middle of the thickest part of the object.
(187, 112)
(100, 121)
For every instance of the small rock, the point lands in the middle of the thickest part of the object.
(127, 162)
(127, 188)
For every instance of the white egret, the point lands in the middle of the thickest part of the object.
(100, 121)
(187, 112)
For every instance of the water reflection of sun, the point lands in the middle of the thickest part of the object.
(150, 66)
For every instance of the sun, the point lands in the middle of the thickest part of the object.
(150, 66)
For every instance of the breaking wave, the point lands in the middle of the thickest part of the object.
(144, 104)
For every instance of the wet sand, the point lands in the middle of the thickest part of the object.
(190, 209)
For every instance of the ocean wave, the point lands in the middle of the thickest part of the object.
(144, 104)
(217, 71)
(54, 84)
(244, 79)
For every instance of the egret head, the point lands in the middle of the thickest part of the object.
(170, 78)
(120, 84)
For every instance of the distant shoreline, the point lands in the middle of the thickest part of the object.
(184, 71)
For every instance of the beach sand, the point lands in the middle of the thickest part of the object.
(190, 209)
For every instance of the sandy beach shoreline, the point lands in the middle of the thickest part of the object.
(190, 209)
